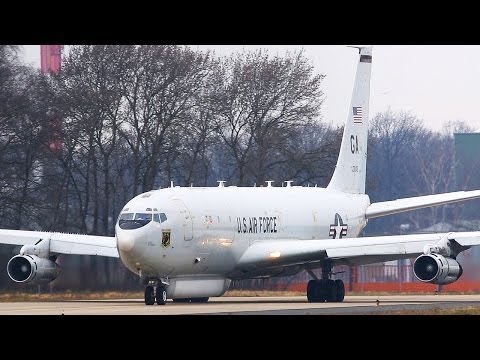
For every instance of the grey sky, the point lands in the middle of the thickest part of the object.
(435, 83)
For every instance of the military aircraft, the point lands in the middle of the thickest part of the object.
(189, 243)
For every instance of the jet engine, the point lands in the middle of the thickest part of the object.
(32, 269)
(437, 269)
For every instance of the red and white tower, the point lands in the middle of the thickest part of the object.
(51, 58)
(51, 63)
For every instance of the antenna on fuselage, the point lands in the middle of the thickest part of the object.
(171, 184)
(269, 183)
(221, 183)
(289, 183)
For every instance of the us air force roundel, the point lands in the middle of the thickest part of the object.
(165, 238)
(338, 228)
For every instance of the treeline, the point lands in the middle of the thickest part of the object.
(121, 120)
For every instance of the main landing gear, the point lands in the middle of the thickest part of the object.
(158, 294)
(325, 289)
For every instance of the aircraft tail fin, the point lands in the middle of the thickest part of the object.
(350, 173)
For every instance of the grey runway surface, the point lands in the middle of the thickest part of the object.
(298, 305)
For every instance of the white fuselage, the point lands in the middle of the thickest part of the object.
(207, 230)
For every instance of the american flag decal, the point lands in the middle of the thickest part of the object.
(357, 114)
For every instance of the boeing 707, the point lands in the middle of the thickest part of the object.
(189, 243)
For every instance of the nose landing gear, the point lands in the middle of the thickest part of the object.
(149, 295)
(155, 294)
(161, 294)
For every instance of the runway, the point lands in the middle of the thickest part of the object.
(353, 305)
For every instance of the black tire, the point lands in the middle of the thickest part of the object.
(149, 295)
(161, 295)
(321, 290)
(311, 291)
(330, 291)
(340, 287)
(181, 300)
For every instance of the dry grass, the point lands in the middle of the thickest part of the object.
(262, 293)
(68, 295)
(386, 293)
(469, 310)
(106, 295)
(258, 293)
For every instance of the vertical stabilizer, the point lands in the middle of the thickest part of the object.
(350, 172)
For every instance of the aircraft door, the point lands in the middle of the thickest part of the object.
(186, 220)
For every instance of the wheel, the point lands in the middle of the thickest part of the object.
(340, 287)
(149, 296)
(199, 300)
(161, 295)
(330, 291)
(321, 290)
(311, 289)
(317, 290)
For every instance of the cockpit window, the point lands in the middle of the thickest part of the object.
(125, 216)
(137, 220)
(143, 217)
(133, 221)
(160, 218)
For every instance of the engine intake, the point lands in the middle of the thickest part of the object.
(32, 269)
(437, 269)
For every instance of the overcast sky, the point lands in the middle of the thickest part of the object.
(435, 83)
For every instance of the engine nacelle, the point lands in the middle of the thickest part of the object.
(33, 269)
(437, 269)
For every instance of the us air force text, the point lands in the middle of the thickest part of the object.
(255, 225)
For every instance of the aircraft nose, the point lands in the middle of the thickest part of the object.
(125, 241)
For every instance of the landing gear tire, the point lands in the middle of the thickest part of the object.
(311, 291)
(331, 291)
(316, 291)
(161, 295)
(149, 295)
(325, 290)
(340, 287)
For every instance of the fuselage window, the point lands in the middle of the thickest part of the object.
(163, 217)
(156, 217)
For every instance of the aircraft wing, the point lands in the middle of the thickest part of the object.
(349, 251)
(395, 206)
(61, 243)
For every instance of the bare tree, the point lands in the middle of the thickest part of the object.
(391, 138)
(159, 89)
(263, 101)
(22, 117)
(431, 172)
